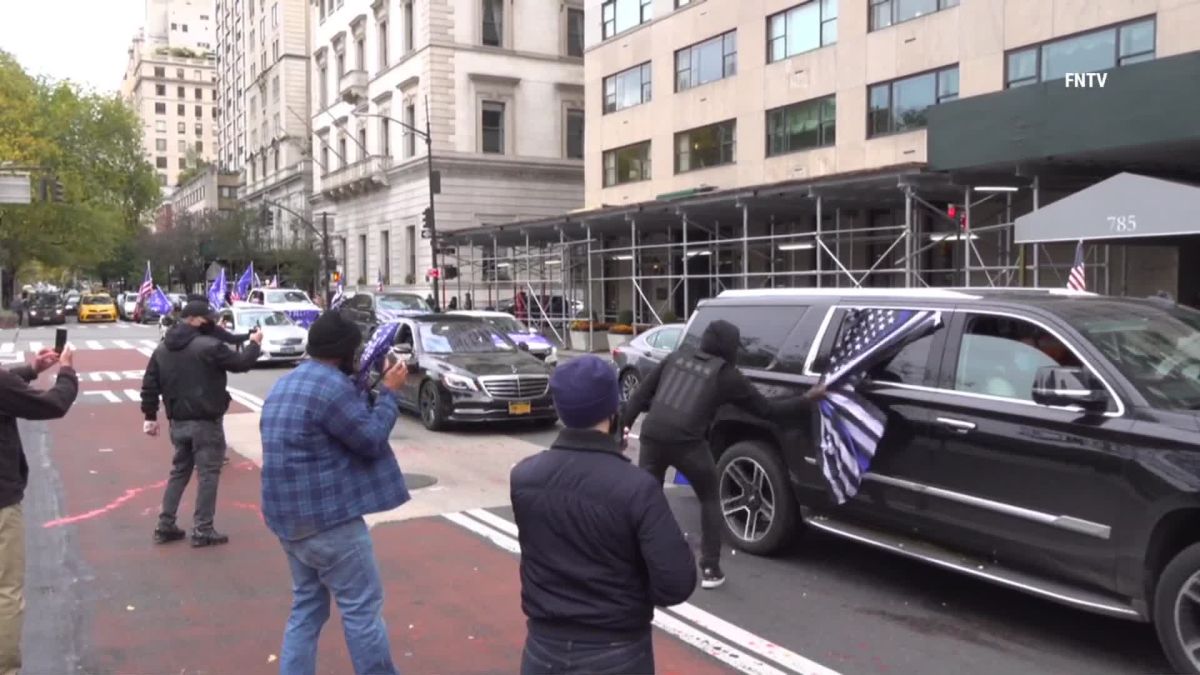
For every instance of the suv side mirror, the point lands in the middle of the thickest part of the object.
(403, 349)
(1059, 386)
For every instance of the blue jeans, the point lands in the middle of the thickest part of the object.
(548, 656)
(340, 561)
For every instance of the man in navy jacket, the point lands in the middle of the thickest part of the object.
(600, 548)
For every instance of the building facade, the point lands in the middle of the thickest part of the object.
(209, 190)
(499, 84)
(263, 56)
(183, 24)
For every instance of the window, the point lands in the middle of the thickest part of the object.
(342, 150)
(160, 144)
(174, 26)
(275, 15)
(179, 73)
(275, 88)
(278, 122)
(617, 16)
(385, 136)
(160, 126)
(909, 366)
(802, 126)
(801, 29)
(1090, 52)
(181, 145)
(160, 162)
(383, 45)
(160, 72)
(199, 146)
(341, 65)
(884, 13)
(183, 162)
(160, 90)
(323, 84)
(706, 62)
(324, 160)
(196, 75)
(162, 179)
(160, 108)
(180, 109)
(385, 264)
(574, 32)
(492, 124)
(198, 129)
(180, 92)
(574, 134)
(181, 127)
(493, 22)
(362, 143)
(362, 256)
(705, 147)
(629, 164)
(275, 50)
(199, 94)
(199, 111)
(409, 43)
(666, 339)
(763, 330)
(627, 88)
(360, 53)
(682, 3)
(184, 27)
(893, 107)
(1000, 356)
(410, 139)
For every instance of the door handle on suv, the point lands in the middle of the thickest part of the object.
(960, 426)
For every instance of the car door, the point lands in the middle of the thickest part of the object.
(662, 343)
(1024, 484)
(407, 334)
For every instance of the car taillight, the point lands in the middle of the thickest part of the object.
(615, 353)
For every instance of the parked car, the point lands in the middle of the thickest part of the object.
(464, 370)
(283, 340)
(635, 359)
(46, 308)
(97, 307)
(71, 302)
(126, 305)
(518, 332)
(368, 309)
(291, 301)
(1042, 440)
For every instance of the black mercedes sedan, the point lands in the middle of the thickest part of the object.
(46, 308)
(464, 370)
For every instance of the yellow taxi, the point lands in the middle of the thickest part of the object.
(97, 308)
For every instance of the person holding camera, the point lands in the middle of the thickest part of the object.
(188, 371)
(18, 400)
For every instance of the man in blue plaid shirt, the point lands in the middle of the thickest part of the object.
(327, 463)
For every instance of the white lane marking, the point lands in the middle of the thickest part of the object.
(36, 347)
(133, 374)
(149, 343)
(110, 374)
(246, 398)
(497, 530)
(7, 348)
(123, 344)
(133, 394)
(110, 396)
(146, 351)
(94, 344)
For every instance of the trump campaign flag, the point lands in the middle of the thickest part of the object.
(376, 349)
(852, 426)
(245, 283)
(160, 302)
(216, 292)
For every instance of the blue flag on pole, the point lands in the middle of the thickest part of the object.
(216, 292)
(246, 282)
(160, 302)
(373, 353)
(339, 296)
(852, 426)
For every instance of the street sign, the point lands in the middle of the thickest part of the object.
(14, 189)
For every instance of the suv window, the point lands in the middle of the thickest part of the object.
(1000, 356)
(909, 366)
(763, 330)
(665, 339)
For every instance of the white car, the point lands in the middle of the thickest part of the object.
(291, 301)
(282, 341)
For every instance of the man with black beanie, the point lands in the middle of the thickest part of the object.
(600, 548)
(188, 371)
(327, 463)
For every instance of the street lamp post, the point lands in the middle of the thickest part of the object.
(434, 187)
(323, 233)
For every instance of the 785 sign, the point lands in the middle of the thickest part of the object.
(1122, 224)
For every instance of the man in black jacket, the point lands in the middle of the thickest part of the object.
(20, 401)
(599, 545)
(683, 395)
(188, 370)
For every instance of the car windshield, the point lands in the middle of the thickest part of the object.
(506, 324)
(402, 302)
(275, 297)
(252, 319)
(463, 337)
(45, 301)
(1156, 348)
(96, 300)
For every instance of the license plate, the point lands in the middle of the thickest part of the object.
(520, 408)
(289, 350)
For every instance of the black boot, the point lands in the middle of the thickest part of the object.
(208, 538)
(165, 534)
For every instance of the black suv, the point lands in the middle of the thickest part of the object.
(461, 369)
(1043, 440)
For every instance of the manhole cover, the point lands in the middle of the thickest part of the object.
(416, 481)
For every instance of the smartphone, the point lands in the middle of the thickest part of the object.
(60, 340)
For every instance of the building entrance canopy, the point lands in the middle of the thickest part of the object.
(1125, 207)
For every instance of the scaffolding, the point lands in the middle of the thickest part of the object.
(651, 263)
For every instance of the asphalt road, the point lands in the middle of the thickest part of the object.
(102, 599)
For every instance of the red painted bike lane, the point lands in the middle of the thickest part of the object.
(452, 600)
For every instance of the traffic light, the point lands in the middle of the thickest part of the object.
(451, 272)
(270, 218)
(59, 197)
(426, 218)
(957, 214)
(337, 277)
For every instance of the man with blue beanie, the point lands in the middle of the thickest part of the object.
(600, 548)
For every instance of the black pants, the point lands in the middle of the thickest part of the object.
(695, 462)
(549, 656)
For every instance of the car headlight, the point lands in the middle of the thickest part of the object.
(33, 312)
(458, 382)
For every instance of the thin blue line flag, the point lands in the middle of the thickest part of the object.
(851, 426)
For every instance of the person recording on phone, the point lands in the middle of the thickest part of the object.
(188, 371)
(327, 463)
(18, 400)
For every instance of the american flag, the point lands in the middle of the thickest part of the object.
(376, 349)
(1077, 281)
(144, 292)
(851, 426)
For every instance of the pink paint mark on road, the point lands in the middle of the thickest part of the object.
(249, 506)
(113, 505)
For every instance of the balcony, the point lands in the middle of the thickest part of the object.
(360, 177)
(354, 86)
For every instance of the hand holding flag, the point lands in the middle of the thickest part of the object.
(375, 351)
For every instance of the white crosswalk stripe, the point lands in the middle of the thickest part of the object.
(133, 394)
(36, 347)
(145, 346)
(149, 343)
(7, 348)
(123, 344)
(94, 344)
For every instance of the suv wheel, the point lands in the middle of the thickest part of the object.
(756, 499)
(1177, 610)
(433, 415)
